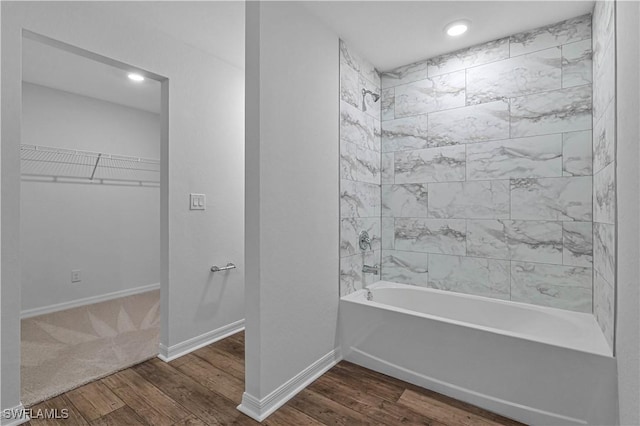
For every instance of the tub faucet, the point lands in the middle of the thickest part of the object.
(375, 269)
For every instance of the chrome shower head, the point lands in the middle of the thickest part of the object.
(366, 92)
(375, 96)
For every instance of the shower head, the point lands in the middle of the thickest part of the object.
(375, 96)
(366, 92)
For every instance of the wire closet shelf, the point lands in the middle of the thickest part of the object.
(59, 164)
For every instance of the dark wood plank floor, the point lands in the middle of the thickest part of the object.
(204, 388)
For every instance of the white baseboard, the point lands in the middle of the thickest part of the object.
(176, 351)
(28, 313)
(260, 409)
(17, 416)
(523, 413)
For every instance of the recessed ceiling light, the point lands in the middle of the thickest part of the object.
(135, 77)
(457, 28)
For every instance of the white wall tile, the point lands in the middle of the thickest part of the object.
(536, 156)
(522, 75)
(557, 286)
(443, 164)
(565, 198)
(482, 277)
(471, 200)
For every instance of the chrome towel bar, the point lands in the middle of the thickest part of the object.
(224, 268)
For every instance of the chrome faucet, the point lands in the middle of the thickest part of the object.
(375, 269)
(364, 241)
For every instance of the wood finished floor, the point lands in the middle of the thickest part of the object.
(204, 388)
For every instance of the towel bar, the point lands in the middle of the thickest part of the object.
(224, 268)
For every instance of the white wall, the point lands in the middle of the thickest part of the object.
(110, 232)
(291, 194)
(205, 154)
(628, 158)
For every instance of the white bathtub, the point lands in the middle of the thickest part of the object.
(541, 366)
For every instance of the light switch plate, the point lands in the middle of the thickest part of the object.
(197, 202)
(75, 276)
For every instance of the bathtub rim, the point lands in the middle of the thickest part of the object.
(359, 297)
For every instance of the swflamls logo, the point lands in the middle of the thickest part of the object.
(33, 414)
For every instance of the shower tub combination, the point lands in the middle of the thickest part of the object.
(538, 365)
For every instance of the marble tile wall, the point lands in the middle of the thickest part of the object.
(604, 179)
(487, 170)
(360, 172)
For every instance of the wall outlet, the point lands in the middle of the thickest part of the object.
(75, 276)
(197, 202)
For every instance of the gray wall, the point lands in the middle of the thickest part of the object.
(486, 177)
(604, 165)
(202, 151)
(627, 160)
(359, 169)
(292, 206)
(109, 231)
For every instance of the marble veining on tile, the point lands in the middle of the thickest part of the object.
(603, 27)
(476, 123)
(604, 195)
(470, 57)
(357, 127)
(350, 229)
(405, 267)
(557, 286)
(348, 160)
(604, 250)
(603, 306)
(355, 61)
(387, 172)
(388, 104)
(536, 72)
(481, 277)
(368, 166)
(405, 74)
(558, 111)
(446, 236)
(405, 133)
(351, 276)
(487, 238)
(534, 241)
(564, 32)
(388, 233)
(433, 94)
(576, 63)
(430, 165)
(604, 139)
(408, 200)
(350, 86)
(564, 198)
(536, 156)
(577, 242)
(604, 85)
(470, 200)
(359, 199)
(577, 157)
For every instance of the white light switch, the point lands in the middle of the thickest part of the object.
(75, 276)
(197, 202)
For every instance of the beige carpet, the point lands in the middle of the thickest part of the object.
(66, 349)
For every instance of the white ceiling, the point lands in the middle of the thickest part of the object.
(387, 33)
(52, 67)
(394, 33)
(213, 27)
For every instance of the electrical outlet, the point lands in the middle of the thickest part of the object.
(75, 276)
